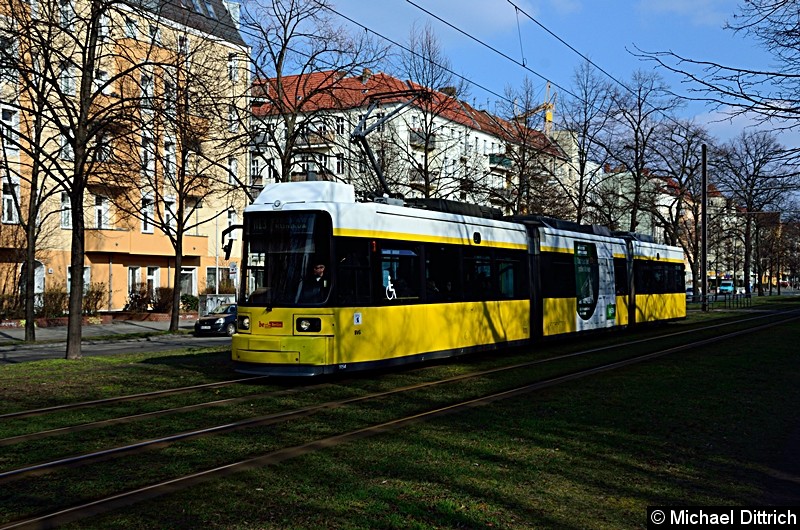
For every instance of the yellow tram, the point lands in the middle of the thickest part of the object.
(330, 284)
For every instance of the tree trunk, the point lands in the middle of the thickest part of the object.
(30, 287)
(74, 321)
(174, 321)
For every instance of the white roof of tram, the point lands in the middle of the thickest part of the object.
(374, 219)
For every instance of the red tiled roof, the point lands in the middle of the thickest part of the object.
(331, 90)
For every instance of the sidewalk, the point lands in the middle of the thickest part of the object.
(102, 339)
(9, 335)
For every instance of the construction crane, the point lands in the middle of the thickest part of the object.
(548, 107)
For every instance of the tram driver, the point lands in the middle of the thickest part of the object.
(315, 288)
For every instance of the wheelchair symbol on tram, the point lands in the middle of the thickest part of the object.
(390, 292)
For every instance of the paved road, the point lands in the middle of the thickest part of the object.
(53, 341)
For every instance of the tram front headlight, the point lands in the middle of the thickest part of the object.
(244, 322)
(308, 325)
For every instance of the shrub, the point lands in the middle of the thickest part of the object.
(55, 302)
(162, 299)
(94, 297)
(225, 287)
(11, 306)
(189, 302)
(138, 299)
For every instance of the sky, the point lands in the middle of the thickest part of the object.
(605, 31)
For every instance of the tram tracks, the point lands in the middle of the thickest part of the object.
(425, 411)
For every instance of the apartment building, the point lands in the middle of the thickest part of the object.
(426, 143)
(136, 110)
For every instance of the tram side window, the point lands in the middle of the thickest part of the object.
(621, 284)
(558, 275)
(676, 282)
(353, 271)
(658, 278)
(510, 276)
(442, 273)
(478, 279)
(400, 272)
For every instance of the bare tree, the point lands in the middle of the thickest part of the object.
(639, 109)
(752, 170)
(299, 55)
(536, 185)
(770, 95)
(430, 123)
(189, 151)
(69, 113)
(677, 204)
(584, 119)
(24, 163)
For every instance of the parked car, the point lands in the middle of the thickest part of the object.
(726, 287)
(221, 320)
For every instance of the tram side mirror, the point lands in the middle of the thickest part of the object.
(229, 243)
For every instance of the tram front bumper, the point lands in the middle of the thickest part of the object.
(281, 350)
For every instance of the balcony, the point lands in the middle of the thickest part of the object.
(316, 140)
(419, 140)
(107, 240)
(134, 242)
(416, 180)
(498, 161)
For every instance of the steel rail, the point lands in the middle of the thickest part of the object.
(130, 397)
(269, 419)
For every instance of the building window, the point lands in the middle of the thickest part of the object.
(233, 170)
(102, 149)
(134, 279)
(147, 215)
(255, 168)
(131, 28)
(66, 14)
(210, 9)
(339, 125)
(101, 217)
(169, 161)
(148, 90)
(339, 163)
(188, 280)
(148, 157)
(67, 78)
(153, 280)
(233, 122)
(103, 27)
(67, 153)
(233, 70)
(155, 35)
(218, 279)
(170, 97)
(10, 124)
(101, 83)
(87, 279)
(183, 45)
(8, 72)
(10, 200)
(66, 211)
(169, 212)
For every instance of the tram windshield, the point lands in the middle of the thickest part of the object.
(286, 259)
